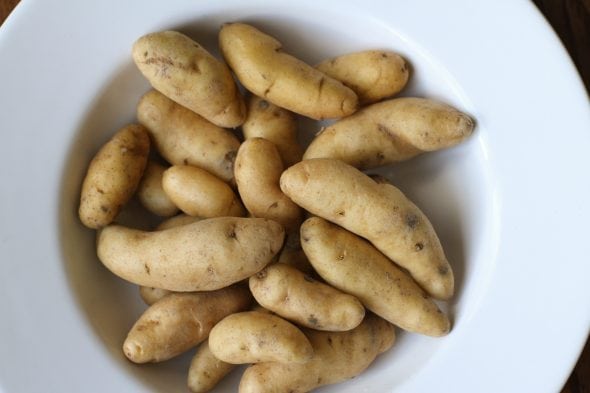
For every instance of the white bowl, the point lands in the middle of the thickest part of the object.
(509, 205)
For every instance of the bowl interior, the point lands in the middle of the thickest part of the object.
(453, 187)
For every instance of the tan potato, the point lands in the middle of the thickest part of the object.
(198, 193)
(391, 131)
(180, 321)
(354, 266)
(264, 69)
(151, 194)
(150, 295)
(177, 221)
(185, 72)
(299, 298)
(203, 256)
(254, 336)
(185, 138)
(372, 74)
(206, 371)
(380, 213)
(113, 176)
(278, 125)
(258, 169)
(337, 357)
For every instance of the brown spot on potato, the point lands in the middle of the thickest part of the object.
(274, 205)
(443, 270)
(147, 268)
(330, 341)
(418, 247)
(312, 320)
(145, 54)
(104, 208)
(261, 274)
(308, 278)
(412, 220)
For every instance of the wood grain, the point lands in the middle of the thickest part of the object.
(571, 20)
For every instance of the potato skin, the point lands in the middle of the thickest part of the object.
(198, 193)
(354, 266)
(372, 74)
(338, 356)
(255, 336)
(332, 190)
(206, 370)
(185, 138)
(180, 321)
(273, 123)
(113, 176)
(185, 72)
(267, 71)
(203, 256)
(258, 169)
(299, 298)
(391, 131)
(151, 194)
(150, 295)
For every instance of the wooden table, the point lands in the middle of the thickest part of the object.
(571, 20)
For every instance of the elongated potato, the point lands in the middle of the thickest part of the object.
(198, 193)
(391, 131)
(372, 74)
(255, 336)
(206, 370)
(380, 213)
(264, 69)
(177, 221)
(204, 256)
(180, 321)
(151, 295)
(337, 357)
(299, 298)
(354, 266)
(257, 171)
(278, 125)
(185, 72)
(113, 176)
(185, 138)
(152, 195)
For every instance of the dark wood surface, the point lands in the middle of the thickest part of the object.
(571, 21)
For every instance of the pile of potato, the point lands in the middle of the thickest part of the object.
(240, 271)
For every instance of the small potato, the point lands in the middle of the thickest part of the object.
(254, 336)
(380, 213)
(151, 295)
(264, 69)
(278, 125)
(301, 299)
(185, 138)
(372, 75)
(203, 256)
(337, 357)
(113, 176)
(206, 370)
(257, 171)
(152, 195)
(391, 131)
(177, 221)
(354, 266)
(198, 193)
(180, 321)
(185, 72)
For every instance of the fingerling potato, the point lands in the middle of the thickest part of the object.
(113, 176)
(372, 74)
(206, 371)
(185, 72)
(264, 69)
(203, 256)
(151, 194)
